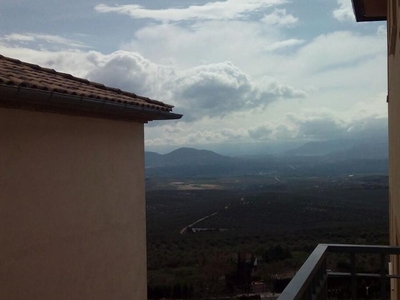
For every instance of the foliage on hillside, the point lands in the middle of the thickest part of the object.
(279, 224)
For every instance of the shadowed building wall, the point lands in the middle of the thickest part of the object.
(394, 133)
(388, 10)
(72, 209)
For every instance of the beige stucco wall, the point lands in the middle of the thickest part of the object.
(394, 133)
(72, 209)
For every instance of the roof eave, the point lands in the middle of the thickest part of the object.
(370, 10)
(158, 116)
(33, 99)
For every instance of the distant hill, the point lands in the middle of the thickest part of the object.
(185, 156)
(153, 158)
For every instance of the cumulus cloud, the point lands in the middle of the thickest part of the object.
(344, 12)
(213, 90)
(217, 88)
(219, 10)
(131, 72)
(279, 17)
(206, 91)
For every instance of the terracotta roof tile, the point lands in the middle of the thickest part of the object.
(13, 72)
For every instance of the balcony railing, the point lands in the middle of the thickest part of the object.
(311, 281)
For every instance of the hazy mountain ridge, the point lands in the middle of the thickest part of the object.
(311, 159)
(185, 156)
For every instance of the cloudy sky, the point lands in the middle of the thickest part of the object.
(247, 75)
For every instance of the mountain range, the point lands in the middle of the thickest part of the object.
(329, 157)
(184, 156)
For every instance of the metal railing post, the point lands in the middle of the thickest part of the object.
(324, 292)
(383, 276)
(353, 276)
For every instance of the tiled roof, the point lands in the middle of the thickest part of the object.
(14, 73)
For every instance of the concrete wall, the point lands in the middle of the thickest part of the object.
(394, 132)
(72, 208)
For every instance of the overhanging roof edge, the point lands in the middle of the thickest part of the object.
(13, 95)
(361, 15)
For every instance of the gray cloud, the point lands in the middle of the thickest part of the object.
(216, 89)
(272, 132)
(368, 127)
(283, 133)
(328, 127)
(219, 89)
(322, 128)
(263, 132)
(199, 137)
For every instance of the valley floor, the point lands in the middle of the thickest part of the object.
(254, 218)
